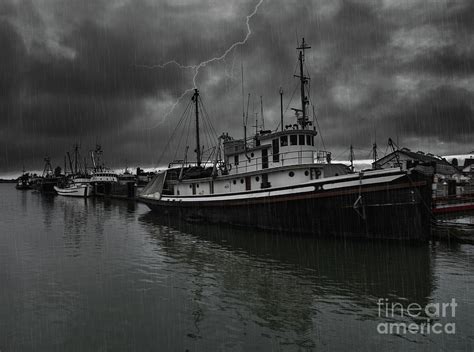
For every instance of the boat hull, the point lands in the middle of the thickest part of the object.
(46, 185)
(115, 189)
(82, 191)
(396, 209)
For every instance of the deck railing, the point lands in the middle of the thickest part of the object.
(287, 158)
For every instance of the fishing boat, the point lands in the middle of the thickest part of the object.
(278, 180)
(24, 181)
(75, 190)
(77, 182)
(109, 183)
(48, 180)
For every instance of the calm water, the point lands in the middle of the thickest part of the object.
(97, 275)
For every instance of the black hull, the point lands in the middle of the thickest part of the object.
(115, 190)
(393, 210)
(47, 185)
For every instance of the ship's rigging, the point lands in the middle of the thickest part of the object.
(206, 140)
(205, 135)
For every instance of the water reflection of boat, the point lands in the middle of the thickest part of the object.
(362, 271)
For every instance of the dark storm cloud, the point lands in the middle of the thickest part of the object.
(88, 71)
(104, 66)
(13, 54)
(444, 61)
(444, 112)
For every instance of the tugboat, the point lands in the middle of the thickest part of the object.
(279, 181)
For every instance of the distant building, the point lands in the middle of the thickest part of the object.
(405, 158)
(468, 167)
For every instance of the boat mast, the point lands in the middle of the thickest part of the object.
(93, 161)
(256, 124)
(303, 120)
(281, 108)
(374, 152)
(76, 148)
(48, 169)
(198, 144)
(70, 162)
(352, 158)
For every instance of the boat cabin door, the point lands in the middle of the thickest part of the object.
(264, 158)
(248, 183)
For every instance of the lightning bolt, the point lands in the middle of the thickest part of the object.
(171, 62)
(196, 68)
(232, 47)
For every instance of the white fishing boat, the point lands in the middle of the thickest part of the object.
(75, 190)
(78, 182)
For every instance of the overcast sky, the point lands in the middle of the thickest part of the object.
(89, 71)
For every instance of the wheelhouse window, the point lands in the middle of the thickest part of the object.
(283, 141)
(293, 139)
(236, 159)
(308, 140)
(275, 151)
(301, 139)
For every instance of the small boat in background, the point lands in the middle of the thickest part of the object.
(102, 178)
(24, 181)
(49, 179)
(108, 183)
(77, 182)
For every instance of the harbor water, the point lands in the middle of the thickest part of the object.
(108, 275)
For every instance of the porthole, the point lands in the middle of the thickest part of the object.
(241, 180)
(306, 173)
(197, 185)
(190, 186)
(291, 174)
(234, 182)
(252, 155)
(257, 179)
